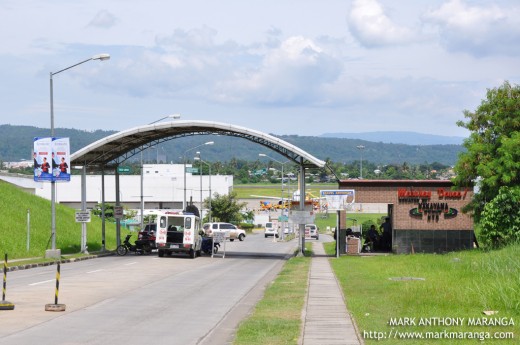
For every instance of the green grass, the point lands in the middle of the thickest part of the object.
(459, 284)
(13, 227)
(276, 319)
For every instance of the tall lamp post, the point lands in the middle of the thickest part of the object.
(282, 164)
(184, 159)
(209, 167)
(100, 57)
(361, 148)
(171, 116)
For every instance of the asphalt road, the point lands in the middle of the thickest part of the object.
(142, 299)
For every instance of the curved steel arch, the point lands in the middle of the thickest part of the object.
(118, 147)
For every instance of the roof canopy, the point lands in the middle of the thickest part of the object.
(118, 147)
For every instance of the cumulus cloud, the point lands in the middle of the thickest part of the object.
(369, 24)
(477, 30)
(103, 19)
(293, 73)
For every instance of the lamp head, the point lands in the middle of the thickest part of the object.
(101, 57)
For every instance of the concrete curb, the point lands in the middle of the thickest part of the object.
(27, 266)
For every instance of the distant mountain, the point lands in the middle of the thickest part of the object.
(408, 138)
(16, 143)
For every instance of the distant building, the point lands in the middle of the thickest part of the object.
(163, 188)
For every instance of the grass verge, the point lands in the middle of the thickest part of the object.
(461, 285)
(276, 319)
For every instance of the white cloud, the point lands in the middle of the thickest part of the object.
(477, 30)
(291, 74)
(103, 19)
(370, 25)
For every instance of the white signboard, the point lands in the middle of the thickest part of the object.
(336, 200)
(219, 236)
(82, 216)
(301, 217)
(118, 212)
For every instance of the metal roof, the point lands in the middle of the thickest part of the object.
(118, 147)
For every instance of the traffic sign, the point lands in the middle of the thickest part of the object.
(82, 216)
(118, 212)
(192, 170)
(123, 170)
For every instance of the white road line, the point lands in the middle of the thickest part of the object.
(131, 263)
(42, 282)
(95, 271)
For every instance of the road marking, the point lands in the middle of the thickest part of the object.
(131, 263)
(42, 282)
(95, 271)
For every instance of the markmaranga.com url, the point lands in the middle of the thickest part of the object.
(395, 334)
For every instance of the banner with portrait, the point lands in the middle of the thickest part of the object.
(51, 159)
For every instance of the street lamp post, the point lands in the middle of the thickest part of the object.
(100, 57)
(282, 164)
(171, 116)
(184, 159)
(361, 148)
(209, 167)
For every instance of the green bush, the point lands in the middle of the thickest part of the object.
(500, 221)
(246, 226)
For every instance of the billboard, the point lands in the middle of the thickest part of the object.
(336, 200)
(51, 159)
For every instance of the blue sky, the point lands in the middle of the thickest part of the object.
(302, 67)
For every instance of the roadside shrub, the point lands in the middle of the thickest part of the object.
(500, 221)
(246, 226)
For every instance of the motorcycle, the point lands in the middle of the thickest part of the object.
(140, 247)
(206, 245)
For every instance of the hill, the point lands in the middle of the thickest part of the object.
(13, 229)
(408, 138)
(16, 143)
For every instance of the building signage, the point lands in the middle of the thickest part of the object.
(426, 208)
(417, 196)
(433, 210)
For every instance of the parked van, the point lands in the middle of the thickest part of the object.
(178, 232)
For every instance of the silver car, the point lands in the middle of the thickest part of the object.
(233, 231)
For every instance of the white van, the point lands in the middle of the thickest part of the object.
(178, 232)
(270, 230)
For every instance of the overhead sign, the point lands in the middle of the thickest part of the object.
(123, 170)
(192, 170)
(82, 216)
